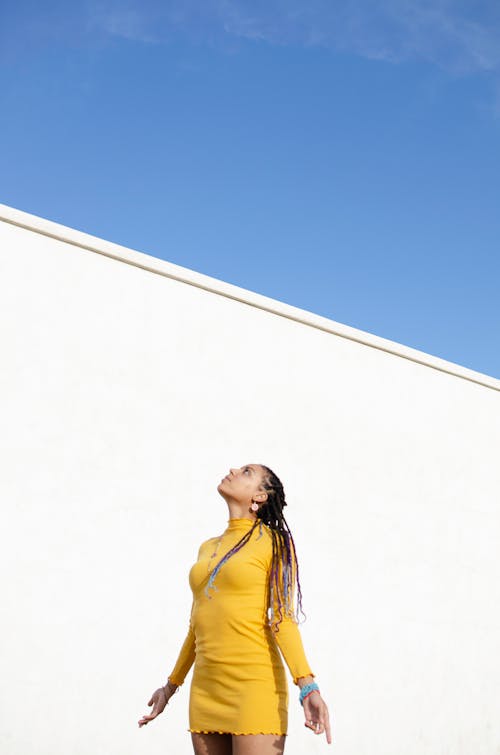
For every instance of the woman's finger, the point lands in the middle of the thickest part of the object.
(315, 726)
(319, 721)
(149, 718)
(328, 731)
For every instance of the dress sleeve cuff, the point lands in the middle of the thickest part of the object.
(296, 678)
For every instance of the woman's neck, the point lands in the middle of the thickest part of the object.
(240, 511)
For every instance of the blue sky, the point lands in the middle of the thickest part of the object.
(341, 157)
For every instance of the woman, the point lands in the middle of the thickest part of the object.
(243, 586)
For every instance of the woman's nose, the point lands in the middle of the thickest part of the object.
(232, 470)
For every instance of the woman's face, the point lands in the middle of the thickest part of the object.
(244, 484)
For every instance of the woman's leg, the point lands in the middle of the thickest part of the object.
(258, 744)
(211, 744)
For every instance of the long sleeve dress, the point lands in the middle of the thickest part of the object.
(239, 684)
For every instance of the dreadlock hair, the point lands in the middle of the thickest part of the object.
(284, 572)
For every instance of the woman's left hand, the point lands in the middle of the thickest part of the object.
(316, 714)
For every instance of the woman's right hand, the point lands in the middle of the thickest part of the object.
(159, 700)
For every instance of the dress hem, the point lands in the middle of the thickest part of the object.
(237, 733)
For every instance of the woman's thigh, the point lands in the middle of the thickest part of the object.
(211, 744)
(258, 744)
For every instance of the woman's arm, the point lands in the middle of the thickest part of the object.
(291, 647)
(284, 628)
(185, 658)
(188, 650)
(289, 640)
(162, 695)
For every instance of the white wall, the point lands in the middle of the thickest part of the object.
(126, 395)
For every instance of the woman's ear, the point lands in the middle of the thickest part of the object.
(261, 496)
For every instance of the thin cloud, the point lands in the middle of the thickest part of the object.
(450, 34)
(127, 23)
(463, 37)
(458, 35)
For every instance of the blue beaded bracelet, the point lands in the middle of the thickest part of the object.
(306, 690)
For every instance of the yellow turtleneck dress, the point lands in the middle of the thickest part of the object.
(239, 684)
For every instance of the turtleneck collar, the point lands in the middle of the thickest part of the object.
(240, 524)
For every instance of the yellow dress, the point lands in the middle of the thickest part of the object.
(239, 684)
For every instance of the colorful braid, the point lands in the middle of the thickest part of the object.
(234, 549)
